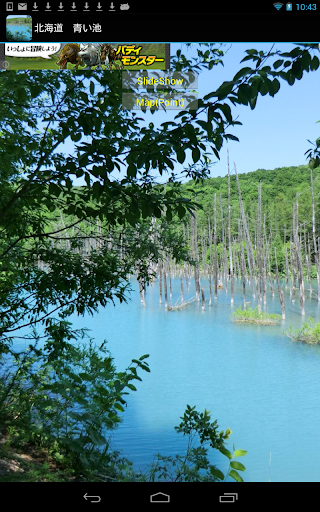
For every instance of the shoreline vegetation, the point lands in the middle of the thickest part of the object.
(9, 24)
(19, 21)
(254, 316)
(308, 333)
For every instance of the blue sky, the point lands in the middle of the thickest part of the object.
(272, 135)
(275, 133)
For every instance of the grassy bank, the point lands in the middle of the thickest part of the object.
(254, 316)
(309, 333)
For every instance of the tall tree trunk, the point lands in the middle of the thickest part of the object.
(259, 249)
(287, 266)
(245, 225)
(298, 257)
(194, 234)
(293, 272)
(215, 249)
(202, 300)
(160, 280)
(181, 285)
(315, 247)
(281, 294)
(142, 290)
(243, 266)
(229, 233)
(165, 288)
(210, 264)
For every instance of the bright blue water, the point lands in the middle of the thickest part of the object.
(18, 28)
(254, 380)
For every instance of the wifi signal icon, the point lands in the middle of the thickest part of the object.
(278, 5)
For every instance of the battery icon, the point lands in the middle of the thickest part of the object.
(289, 7)
(228, 497)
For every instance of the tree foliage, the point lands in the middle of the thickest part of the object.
(120, 161)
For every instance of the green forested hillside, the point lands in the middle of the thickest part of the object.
(279, 191)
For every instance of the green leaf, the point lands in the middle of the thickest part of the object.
(21, 94)
(241, 73)
(224, 89)
(226, 452)
(79, 399)
(227, 112)
(86, 376)
(253, 102)
(275, 85)
(277, 64)
(237, 465)
(75, 136)
(92, 87)
(119, 407)
(263, 88)
(132, 387)
(203, 124)
(314, 63)
(290, 78)
(132, 171)
(231, 137)
(245, 90)
(157, 212)
(216, 472)
(195, 154)
(36, 90)
(118, 386)
(54, 189)
(239, 453)
(96, 437)
(181, 211)
(169, 214)
(248, 57)
(235, 475)
(252, 52)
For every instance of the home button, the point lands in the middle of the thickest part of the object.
(160, 498)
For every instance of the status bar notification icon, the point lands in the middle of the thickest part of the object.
(288, 7)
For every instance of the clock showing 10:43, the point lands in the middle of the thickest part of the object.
(306, 7)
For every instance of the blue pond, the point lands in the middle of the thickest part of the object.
(253, 379)
(19, 28)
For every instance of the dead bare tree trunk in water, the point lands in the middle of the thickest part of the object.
(210, 264)
(142, 290)
(181, 285)
(287, 266)
(160, 281)
(224, 266)
(260, 279)
(293, 272)
(229, 233)
(243, 266)
(215, 249)
(202, 300)
(265, 256)
(165, 288)
(315, 247)
(245, 227)
(170, 284)
(306, 255)
(309, 263)
(236, 261)
(281, 294)
(298, 255)
(194, 235)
